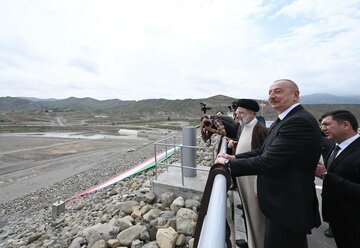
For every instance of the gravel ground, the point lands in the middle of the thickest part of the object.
(27, 221)
(25, 206)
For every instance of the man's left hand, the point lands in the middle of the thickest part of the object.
(220, 160)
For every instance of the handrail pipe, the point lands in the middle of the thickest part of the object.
(212, 229)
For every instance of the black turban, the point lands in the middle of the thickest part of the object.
(248, 104)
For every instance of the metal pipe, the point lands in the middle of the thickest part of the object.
(213, 230)
(182, 166)
(156, 163)
(223, 147)
(186, 146)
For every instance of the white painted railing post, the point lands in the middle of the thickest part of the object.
(213, 230)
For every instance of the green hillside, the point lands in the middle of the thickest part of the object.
(186, 108)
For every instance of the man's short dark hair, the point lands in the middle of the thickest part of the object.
(343, 115)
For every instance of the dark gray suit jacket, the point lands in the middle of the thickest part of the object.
(286, 166)
(341, 187)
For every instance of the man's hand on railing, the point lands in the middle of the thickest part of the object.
(232, 143)
(222, 157)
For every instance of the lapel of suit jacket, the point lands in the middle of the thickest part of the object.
(346, 152)
(274, 129)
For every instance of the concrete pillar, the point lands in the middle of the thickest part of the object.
(188, 155)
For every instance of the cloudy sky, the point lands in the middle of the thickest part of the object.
(177, 49)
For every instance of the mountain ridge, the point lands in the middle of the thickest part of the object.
(186, 108)
(316, 98)
(323, 98)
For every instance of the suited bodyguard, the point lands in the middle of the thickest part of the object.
(341, 185)
(285, 166)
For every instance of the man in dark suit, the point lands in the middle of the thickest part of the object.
(341, 185)
(327, 147)
(285, 166)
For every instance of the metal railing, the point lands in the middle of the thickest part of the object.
(174, 142)
(212, 229)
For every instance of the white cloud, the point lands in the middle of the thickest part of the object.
(176, 49)
(324, 50)
(319, 9)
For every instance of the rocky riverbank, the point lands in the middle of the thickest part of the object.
(126, 214)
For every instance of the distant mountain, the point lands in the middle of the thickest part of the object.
(329, 99)
(15, 104)
(34, 99)
(143, 107)
(84, 104)
(316, 104)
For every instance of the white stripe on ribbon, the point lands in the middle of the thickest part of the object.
(149, 163)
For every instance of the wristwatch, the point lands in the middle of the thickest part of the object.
(323, 175)
(227, 163)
